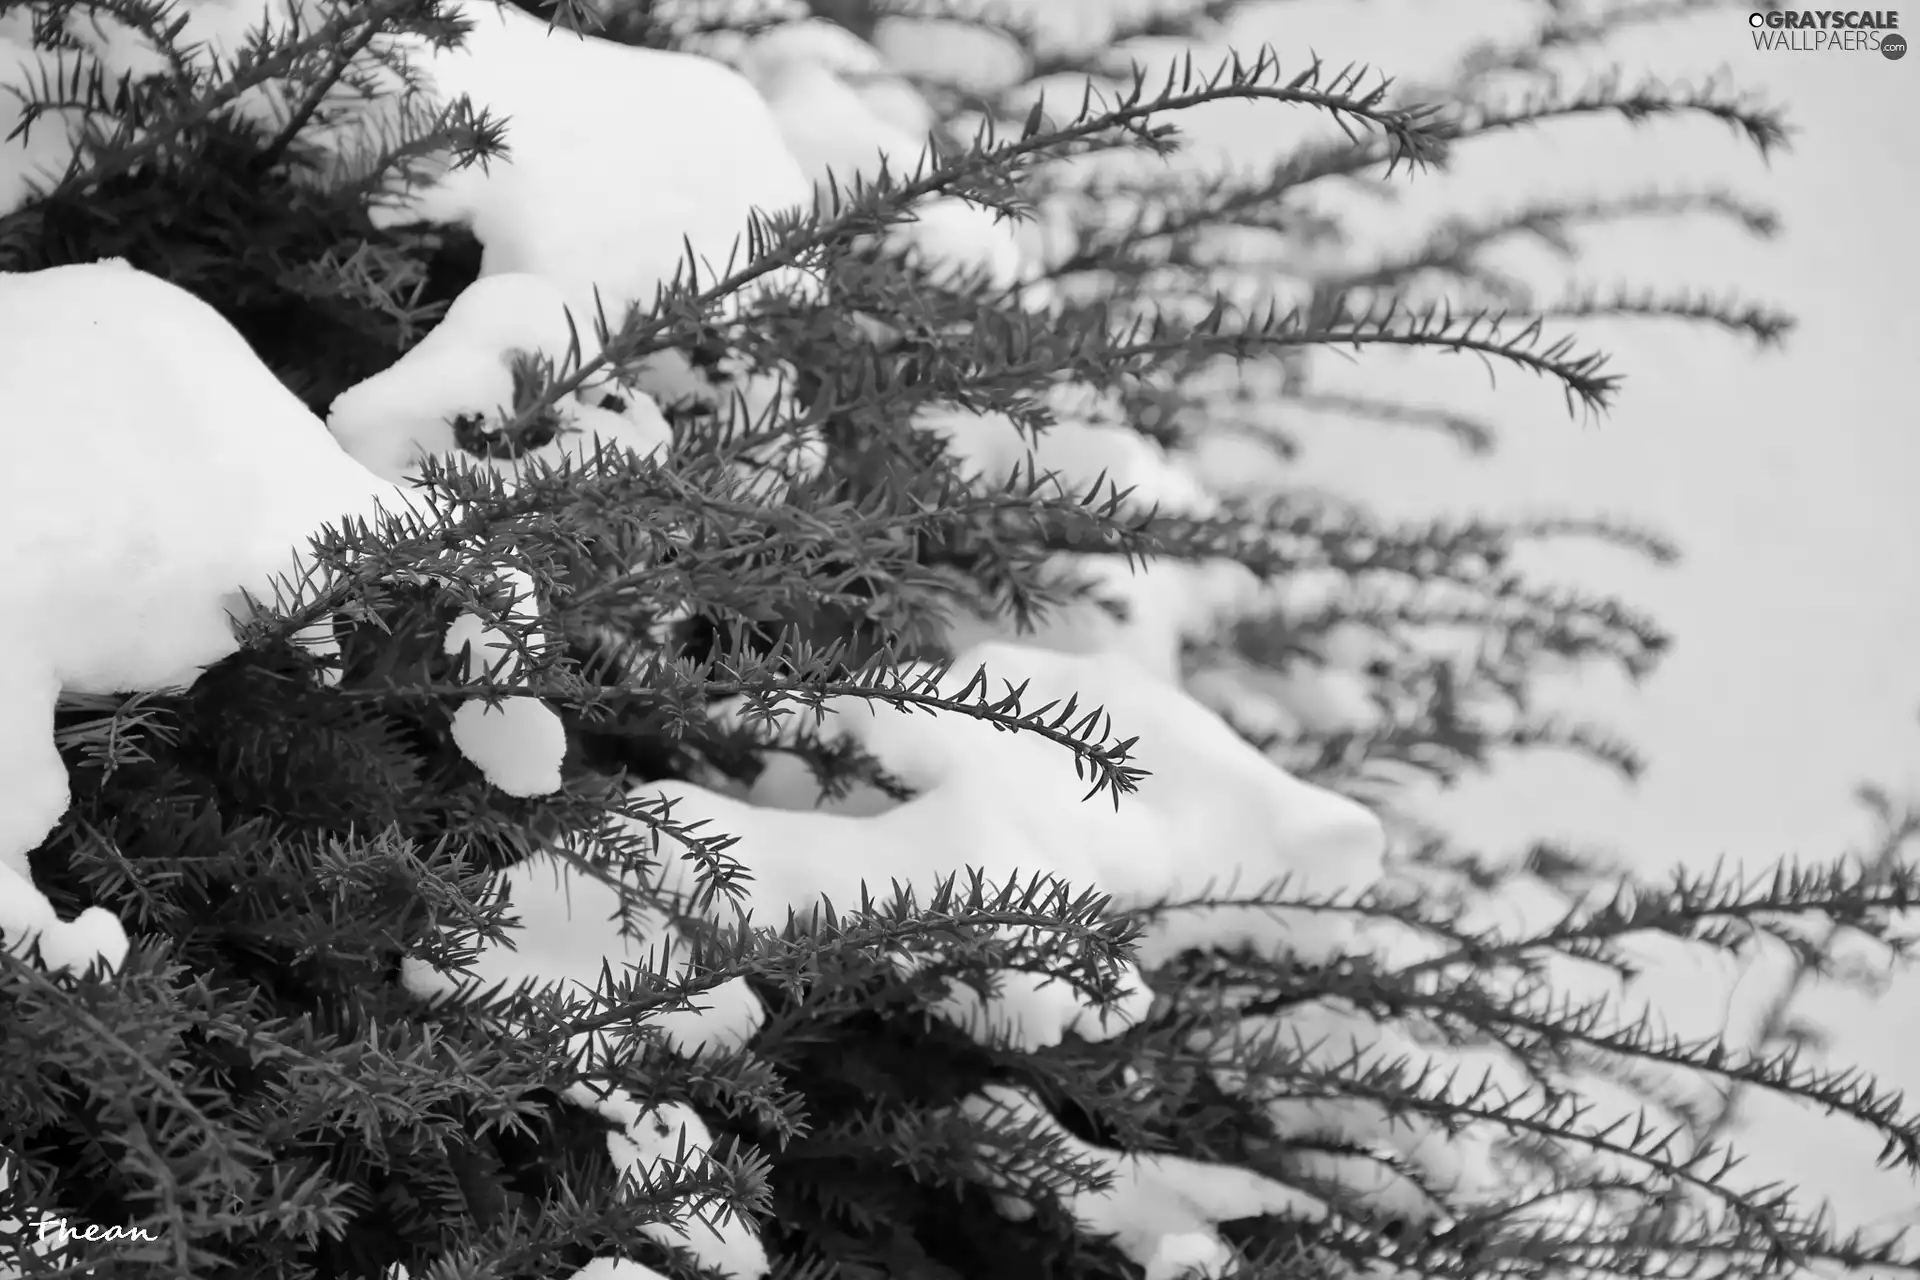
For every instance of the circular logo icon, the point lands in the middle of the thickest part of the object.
(1894, 47)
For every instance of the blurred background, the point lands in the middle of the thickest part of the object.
(1789, 478)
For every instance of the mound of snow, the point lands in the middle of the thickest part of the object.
(210, 35)
(1211, 813)
(467, 375)
(1162, 603)
(611, 1269)
(66, 946)
(669, 1136)
(843, 115)
(569, 929)
(620, 158)
(203, 480)
(155, 469)
(1163, 1212)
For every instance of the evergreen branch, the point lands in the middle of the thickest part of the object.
(1546, 1026)
(1474, 436)
(1405, 1086)
(1900, 829)
(1767, 327)
(1064, 723)
(1091, 342)
(1046, 905)
(297, 119)
(1567, 30)
(772, 247)
(1454, 245)
(1707, 908)
(251, 71)
(1229, 202)
(1761, 127)
(1650, 544)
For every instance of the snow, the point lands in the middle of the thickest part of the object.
(713, 26)
(201, 473)
(1775, 605)
(816, 45)
(828, 125)
(212, 34)
(203, 479)
(517, 744)
(605, 212)
(860, 65)
(464, 368)
(1033, 1010)
(644, 1137)
(568, 930)
(567, 933)
(1328, 1035)
(616, 1269)
(1235, 464)
(842, 116)
(660, 1139)
(1212, 812)
(1162, 1211)
(1323, 692)
(37, 158)
(1166, 602)
(218, 473)
(67, 946)
(1084, 444)
(965, 54)
(467, 376)
(581, 200)
(602, 220)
